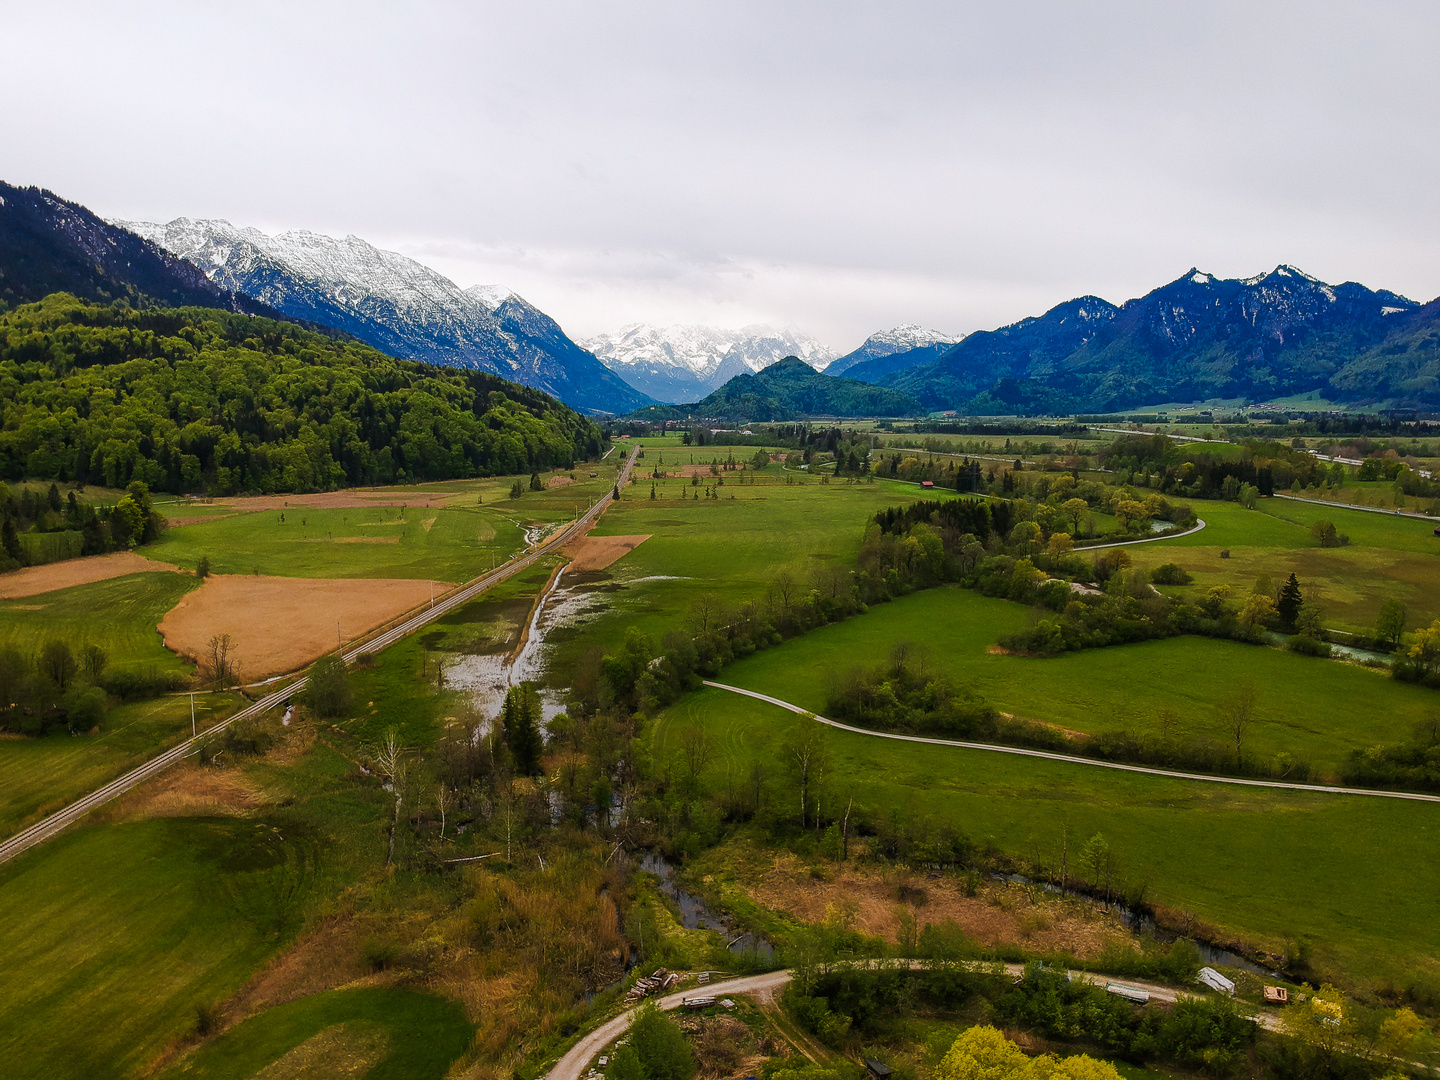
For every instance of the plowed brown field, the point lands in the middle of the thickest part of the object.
(598, 552)
(280, 624)
(34, 580)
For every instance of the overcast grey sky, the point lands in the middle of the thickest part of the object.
(839, 167)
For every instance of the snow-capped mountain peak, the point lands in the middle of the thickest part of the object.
(492, 296)
(685, 362)
(396, 304)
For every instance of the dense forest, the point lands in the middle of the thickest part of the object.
(195, 399)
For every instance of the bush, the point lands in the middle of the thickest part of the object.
(85, 708)
(329, 690)
(135, 683)
(378, 953)
(1170, 574)
(661, 1046)
(1308, 646)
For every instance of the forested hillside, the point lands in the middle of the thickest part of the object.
(792, 388)
(194, 399)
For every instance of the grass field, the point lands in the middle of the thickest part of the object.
(380, 1033)
(1313, 709)
(1356, 876)
(114, 935)
(731, 547)
(469, 525)
(40, 775)
(1387, 557)
(118, 615)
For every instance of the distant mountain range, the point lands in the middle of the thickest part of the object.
(50, 245)
(791, 389)
(683, 363)
(893, 350)
(396, 305)
(1197, 338)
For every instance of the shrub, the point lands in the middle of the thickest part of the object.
(661, 1046)
(1170, 574)
(329, 690)
(378, 953)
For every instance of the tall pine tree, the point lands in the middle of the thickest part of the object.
(520, 723)
(1289, 605)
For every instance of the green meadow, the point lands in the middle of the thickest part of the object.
(1355, 876)
(1387, 557)
(467, 526)
(1313, 709)
(391, 1033)
(38, 776)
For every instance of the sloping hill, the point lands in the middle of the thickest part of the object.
(193, 399)
(50, 245)
(792, 388)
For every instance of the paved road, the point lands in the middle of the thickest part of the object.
(1327, 789)
(1199, 524)
(47, 827)
(572, 1063)
(1368, 509)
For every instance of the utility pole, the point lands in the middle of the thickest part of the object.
(192, 715)
(432, 594)
(339, 641)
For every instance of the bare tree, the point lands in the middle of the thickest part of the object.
(220, 665)
(697, 748)
(443, 801)
(705, 612)
(805, 753)
(759, 774)
(783, 590)
(1237, 713)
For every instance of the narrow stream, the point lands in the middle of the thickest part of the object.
(696, 915)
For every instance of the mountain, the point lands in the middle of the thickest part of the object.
(396, 305)
(792, 388)
(170, 397)
(1196, 338)
(893, 350)
(49, 245)
(681, 363)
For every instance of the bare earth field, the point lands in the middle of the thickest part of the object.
(348, 499)
(598, 552)
(999, 914)
(280, 624)
(34, 580)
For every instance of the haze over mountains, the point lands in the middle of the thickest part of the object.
(686, 362)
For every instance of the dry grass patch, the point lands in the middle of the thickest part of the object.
(999, 913)
(280, 624)
(192, 790)
(34, 580)
(598, 552)
(340, 1052)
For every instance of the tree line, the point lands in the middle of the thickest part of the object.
(200, 400)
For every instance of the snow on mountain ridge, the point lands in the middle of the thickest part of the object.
(704, 350)
(395, 304)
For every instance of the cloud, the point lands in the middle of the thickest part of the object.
(839, 166)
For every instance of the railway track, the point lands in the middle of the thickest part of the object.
(62, 819)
